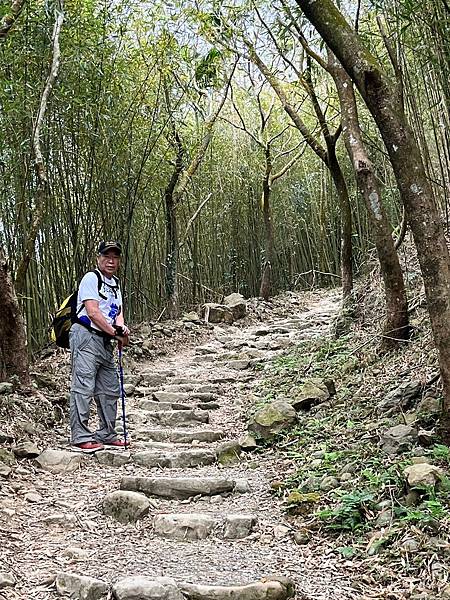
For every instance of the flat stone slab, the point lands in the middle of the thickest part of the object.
(113, 458)
(175, 460)
(184, 526)
(59, 461)
(147, 588)
(198, 526)
(171, 396)
(179, 436)
(267, 590)
(155, 405)
(179, 417)
(178, 487)
(165, 588)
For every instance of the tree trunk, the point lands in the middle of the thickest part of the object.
(384, 102)
(13, 344)
(346, 220)
(396, 325)
(266, 278)
(172, 245)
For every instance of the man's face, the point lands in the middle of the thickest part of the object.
(108, 263)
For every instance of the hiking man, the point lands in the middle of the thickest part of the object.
(99, 321)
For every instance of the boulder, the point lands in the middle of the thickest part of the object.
(310, 393)
(126, 506)
(147, 588)
(398, 439)
(217, 313)
(59, 461)
(80, 587)
(423, 474)
(237, 304)
(271, 419)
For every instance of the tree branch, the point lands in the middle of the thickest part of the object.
(8, 20)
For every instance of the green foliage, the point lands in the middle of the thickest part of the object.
(350, 514)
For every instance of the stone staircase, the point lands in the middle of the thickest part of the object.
(186, 504)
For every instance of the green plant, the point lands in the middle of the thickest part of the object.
(351, 512)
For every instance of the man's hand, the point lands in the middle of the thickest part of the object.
(122, 333)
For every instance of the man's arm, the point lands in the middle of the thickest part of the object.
(96, 316)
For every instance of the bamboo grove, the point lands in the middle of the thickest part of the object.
(212, 142)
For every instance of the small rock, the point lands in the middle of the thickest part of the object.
(6, 580)
(398, 439)
(4, 470)
(329, 483)
(385, 518)
(6, 388)
(76, 553)
(247, 442)
(239, 526)
(228, 453)
(423, 474)
(26, 450)
(83, 588)
(302, 537)
(410, 545)
(242, 486)
(271, 419)
(33, 497)
(126, 506)
(7, 457)
(280, 531)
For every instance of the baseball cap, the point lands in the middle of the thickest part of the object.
(104, 247)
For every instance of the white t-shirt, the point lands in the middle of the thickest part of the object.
(110, 305)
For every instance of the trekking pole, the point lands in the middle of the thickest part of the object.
(122, 393)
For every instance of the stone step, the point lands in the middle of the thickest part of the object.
(155, 405)
(178, 417)
(70, 584)
(198, 526)
(175, 460)
(179, 436)
(178, 487)
(163, 396)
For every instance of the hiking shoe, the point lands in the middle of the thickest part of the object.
(87, 447)
(117, 443)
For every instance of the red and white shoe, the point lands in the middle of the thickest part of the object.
(117, 443)
(87, 447)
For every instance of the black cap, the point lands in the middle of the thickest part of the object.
(104, 247)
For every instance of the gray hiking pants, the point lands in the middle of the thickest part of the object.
(94, 375)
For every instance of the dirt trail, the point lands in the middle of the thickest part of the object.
(52, 523)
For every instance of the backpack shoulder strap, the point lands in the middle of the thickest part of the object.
(99, 282)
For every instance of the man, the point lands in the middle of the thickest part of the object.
(94, 375)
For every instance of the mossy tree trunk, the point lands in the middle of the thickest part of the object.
(13, 339)
(396, 325)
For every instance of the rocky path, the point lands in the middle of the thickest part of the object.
(187, 512)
